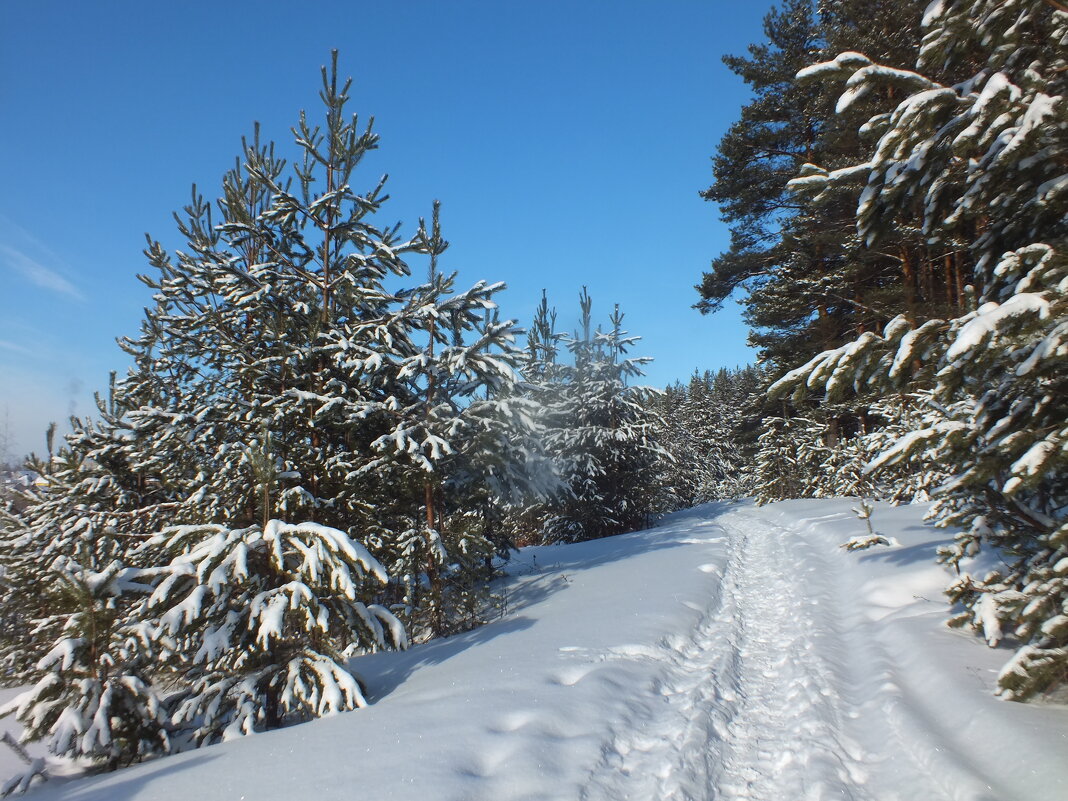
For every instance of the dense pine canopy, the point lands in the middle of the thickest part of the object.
(907, 283)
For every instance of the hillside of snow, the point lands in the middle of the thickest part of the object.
(733, 652)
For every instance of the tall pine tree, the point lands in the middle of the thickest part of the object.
(974, 151)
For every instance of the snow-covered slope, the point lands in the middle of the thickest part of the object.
(732, 652)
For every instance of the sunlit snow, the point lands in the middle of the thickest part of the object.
(733, 652)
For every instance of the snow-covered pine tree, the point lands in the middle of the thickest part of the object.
(269, 371)
(809, 284)
(690, 430)
(461, 436)
(602, 438)
(257, 622)
(808, 453)
(11, 616)
(677, 472)
(811, 281)
(279, 376)
(259, 371)
(93, 696)
(283, 403)
(22, 601)
(981, 158)
(256, 377)
(89, 665)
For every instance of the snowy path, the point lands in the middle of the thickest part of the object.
(805, 682)
(749, 709)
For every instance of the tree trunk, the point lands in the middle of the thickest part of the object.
(433, 574)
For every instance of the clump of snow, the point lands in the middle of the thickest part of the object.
(989, 319)
(864, 541)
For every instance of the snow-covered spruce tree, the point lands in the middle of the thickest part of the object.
(983, 158)
(602, 437)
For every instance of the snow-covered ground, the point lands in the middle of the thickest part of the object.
(734, 652)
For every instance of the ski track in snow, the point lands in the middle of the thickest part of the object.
(747, 708)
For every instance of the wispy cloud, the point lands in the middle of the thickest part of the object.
(14, 348)
(37, 273)
(22, 253)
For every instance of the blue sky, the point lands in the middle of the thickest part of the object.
(567, 142)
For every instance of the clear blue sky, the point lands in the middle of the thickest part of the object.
(567, 142)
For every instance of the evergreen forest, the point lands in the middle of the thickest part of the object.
(327, 445)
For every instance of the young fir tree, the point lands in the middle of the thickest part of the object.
(980, 158)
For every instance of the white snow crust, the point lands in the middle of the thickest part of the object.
(733, 652)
